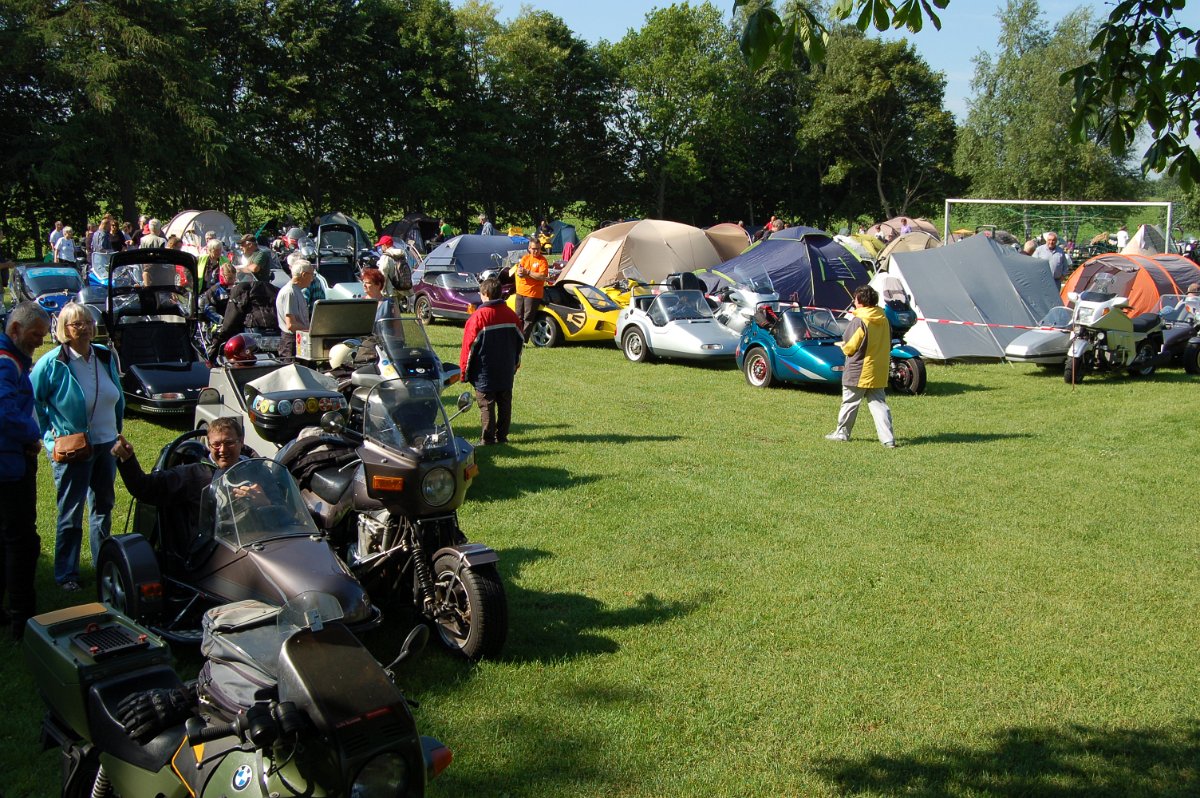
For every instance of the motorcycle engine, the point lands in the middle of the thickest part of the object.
(373, 536)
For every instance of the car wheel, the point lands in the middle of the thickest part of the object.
(757, 368)
(424, 309)
(633, 344)
(1073, 370)
(116, 584)
(472, 615)
(545, 332)
(1191, 359)
(908, 376)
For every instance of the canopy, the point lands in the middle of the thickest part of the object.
(974, 280)
(647, 250)
(563, 234)
(399, 229)
(806, 265)
(909, 242)
(192, 226)
(1142, 278)
(469, 253)
(890, 229)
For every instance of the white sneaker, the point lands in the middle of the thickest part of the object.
(833, 436)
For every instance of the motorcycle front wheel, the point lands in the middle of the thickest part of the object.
(473, 610)
(1073, 370)
(1191, 359)
(908, 376)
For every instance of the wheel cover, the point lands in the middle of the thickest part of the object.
(453, 609)
(634, 346)
(904, 373)
(542, 334)
(758, 369)
(423, 308)
(113, 590)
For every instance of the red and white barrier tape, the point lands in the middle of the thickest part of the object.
(965, 323)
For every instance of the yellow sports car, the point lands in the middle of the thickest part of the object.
(573, 312)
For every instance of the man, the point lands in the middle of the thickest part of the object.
(178, 490)
(258, 262)
(867, 345)
(490, 357)
(485, 226)
(1029, 248)
(532, 273)
(251, 308)
(102, 239)
(446, 232)
(1059, 261)
(20, 442)
(56, 234)
(1122, 237)
(291, 308)
(154, 239)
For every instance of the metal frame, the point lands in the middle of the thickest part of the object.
(1093, 203)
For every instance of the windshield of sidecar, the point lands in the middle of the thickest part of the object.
(1057, 317)
(681, 306)
(596, 298)
(159, 276)
(407, 414)
(339, 242)
(456, 281)
(810, 323)
(254, 501)
(1178, 307)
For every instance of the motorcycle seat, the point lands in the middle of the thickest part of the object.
(1146, 322)
(109, 735)
(331, 483)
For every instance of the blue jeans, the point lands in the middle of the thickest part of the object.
(92, 482)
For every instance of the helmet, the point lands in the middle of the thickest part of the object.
(240, 348)
(340, 355)
(190, 451)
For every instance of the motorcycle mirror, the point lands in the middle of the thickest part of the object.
(413, 644)
(465, 401)
(333, 422)
(1121, 302)
(1073, 296)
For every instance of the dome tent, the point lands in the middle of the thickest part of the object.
(646, 250)
(806, 265)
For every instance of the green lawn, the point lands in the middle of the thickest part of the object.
(707, 598)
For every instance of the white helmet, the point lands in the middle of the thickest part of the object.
(340, 355)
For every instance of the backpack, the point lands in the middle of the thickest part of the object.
(397, 270)
(241, 645)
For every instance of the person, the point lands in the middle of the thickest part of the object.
(77, 386)
(485, 226)
(6, 265)
(1122, 237)
(1029, 248)
(489, 359)
(20, 439)
(101, 240)
(1059, 261)
(178, 490)
(154, 239)
(127, 241)
(56, 234)
(373, 282)
(532, 273)
(905, 226)
(394, 265)
(291, 308)
(64, 250)
(445, 231)
(251, 308)
(867, 345)
(258, 262)
(174, 242)
(545, 234)
(210, 262)
(215, 299)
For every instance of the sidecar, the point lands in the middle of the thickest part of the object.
(52, 287)
(254, 539)
(678, 324)
(1046, 346)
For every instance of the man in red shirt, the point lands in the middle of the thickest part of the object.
(532, 273)
(489, 359)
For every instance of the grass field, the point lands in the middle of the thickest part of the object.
(709, 599)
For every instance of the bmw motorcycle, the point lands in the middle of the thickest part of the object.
(323, 718)
(1105, 339)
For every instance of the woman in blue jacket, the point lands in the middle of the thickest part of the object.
(77, 387)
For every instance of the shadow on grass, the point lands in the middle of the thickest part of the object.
(962, 437)
(1057, 761)
(514, 481)
(936, 387)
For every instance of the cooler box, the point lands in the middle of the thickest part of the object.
(333, 321)
(76, 647)
(285, 401)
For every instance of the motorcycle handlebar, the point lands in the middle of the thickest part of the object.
(198, 733)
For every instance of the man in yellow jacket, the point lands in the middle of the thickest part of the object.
(867, 344)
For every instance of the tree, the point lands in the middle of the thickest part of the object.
(1144, 68)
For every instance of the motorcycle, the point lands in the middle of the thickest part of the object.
(1105, 339)
(906, 371)
(738, 296)
(387, 493)
(324, 718)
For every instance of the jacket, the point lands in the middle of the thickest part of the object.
(491, 347)
(61, 409)
(18, 425)
(177, 492)
(867, 344)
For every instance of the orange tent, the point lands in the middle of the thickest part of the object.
(1142, 278)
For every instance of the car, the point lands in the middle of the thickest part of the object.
(50, 286)
(573, 311)
(1047, 345)
(150, 316)
(445, 295)
(800, 345)
(675, 324)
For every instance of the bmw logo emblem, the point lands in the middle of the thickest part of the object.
(242, 777)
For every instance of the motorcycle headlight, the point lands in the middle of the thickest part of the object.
(438, 487)
(384, 776)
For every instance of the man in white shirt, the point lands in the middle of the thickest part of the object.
(1059, 261)
(291, 308)
(56, 234)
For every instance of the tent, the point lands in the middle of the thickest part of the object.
(1148, 240)
(729, 239)
(647, 250)
(975, 280)
(399, 229)
(909, 242)
(1142, 278)
(191, 227)
(806, 265)
(363, 242)
(469, 253)
(860, 250)
(890, 229)
(563, 234)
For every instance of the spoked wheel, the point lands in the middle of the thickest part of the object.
(908, 376)
(1144, 370)
(1073, 370)
(545, 332)
(757, 369)
(424, 309)
(474, 611)
(633, 344)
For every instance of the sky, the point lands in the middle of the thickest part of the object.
(968, 27)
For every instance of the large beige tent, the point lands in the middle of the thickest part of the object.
(729, 239)
(191, 226)
(646, 250)
(915, 241)
(891, 229)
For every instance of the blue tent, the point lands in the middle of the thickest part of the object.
(469, 253)
(806, 265)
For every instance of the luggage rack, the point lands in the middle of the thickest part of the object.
(102, 642)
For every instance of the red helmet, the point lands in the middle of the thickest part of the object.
(240, 348)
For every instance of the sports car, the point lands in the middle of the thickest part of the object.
(800, 345)
(1046, 346)
(573, 311)
(52, 287)
(445, 295)
(676, 323)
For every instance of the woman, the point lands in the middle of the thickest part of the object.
(77, 388)
(64, 250)
(372, 280)
(210, 262)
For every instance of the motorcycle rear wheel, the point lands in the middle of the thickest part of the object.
(909, 376)
(477, 623)
(1191, 359)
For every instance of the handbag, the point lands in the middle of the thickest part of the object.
(74, 448)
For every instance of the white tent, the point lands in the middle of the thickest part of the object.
(191, 227)
(1147, 240)
(975, 280)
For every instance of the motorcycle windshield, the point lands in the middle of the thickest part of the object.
(307, 610)
(255, 501)
(1059, 317)
(407, 414)
(399, 335)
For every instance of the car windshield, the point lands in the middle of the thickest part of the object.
(458, 281)
(682, 306)
(811, 323)
(407, 414)
(1057, 317)
(51, 280)
(597, 298)
(255, 501)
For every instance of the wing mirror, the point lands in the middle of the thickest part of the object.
(1073, 296)
(333, 422)
(465, 401)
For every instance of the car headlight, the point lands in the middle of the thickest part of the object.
(384, 776)
(438, 487)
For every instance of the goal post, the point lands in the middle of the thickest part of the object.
(1082, 204)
